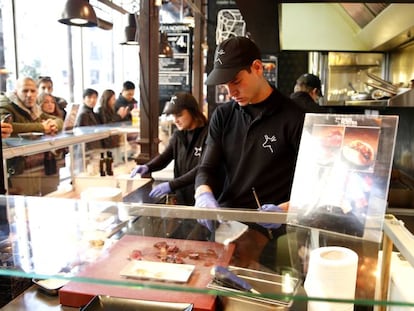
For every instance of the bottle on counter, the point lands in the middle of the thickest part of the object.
(49, 161)
(135, 115)
(102, 161)
(109, 162)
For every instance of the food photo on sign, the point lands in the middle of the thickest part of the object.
(339, 180)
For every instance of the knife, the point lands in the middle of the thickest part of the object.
(228, 278)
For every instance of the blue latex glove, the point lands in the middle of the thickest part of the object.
(270, 208)
(206, 199)
(160, 190)
(139, 169)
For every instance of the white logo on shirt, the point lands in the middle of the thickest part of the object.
(268, 142)
(197, 151)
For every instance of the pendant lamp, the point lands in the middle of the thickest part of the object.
(165, 47)
(131, 30)
(79, 13)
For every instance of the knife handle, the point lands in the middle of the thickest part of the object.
(230, 279)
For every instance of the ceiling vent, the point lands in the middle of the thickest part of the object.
(363, 13)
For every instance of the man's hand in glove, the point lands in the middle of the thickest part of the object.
(139, 169)
(271, 208)
(160, 190)
(206, 199)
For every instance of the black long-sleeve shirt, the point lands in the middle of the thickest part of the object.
(256, 152)
(185, 148)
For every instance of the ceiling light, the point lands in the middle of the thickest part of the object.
(79, 13)
(131, 30)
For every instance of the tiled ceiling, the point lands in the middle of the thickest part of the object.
(363, 13)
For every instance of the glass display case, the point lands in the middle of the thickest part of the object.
(84, 249)
(37, 164)
(146, 251)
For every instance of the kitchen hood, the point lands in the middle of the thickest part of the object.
(346, 26)
(363, 13)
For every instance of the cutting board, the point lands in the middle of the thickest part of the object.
(78, 294)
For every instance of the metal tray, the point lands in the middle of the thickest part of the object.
(50, 286)
(265, 283)
(108, 303)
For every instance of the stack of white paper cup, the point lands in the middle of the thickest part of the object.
(332, 273)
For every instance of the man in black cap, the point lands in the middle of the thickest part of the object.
(256, 136)
(307, 93)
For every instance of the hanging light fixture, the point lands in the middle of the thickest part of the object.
(165, 47)
(79, 13)
(131, 30)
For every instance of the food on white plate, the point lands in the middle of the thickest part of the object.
(359, 153)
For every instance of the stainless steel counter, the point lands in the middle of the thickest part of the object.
(34, 300)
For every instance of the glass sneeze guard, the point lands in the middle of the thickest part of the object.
(108, 245)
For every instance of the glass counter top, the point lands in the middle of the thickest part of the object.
(148, 250)
(17, 146)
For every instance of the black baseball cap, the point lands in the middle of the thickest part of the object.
(310, 80)
(179, 102)
(231, 56)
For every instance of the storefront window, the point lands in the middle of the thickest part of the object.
(74, 57)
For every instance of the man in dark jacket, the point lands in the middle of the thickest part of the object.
(87, 117)
(307, 92)
(126, 99)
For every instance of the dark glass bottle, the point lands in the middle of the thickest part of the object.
(102, 164)
(49, 162)
(109, 161)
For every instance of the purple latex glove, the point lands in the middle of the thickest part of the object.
(160, 190)
(206, 199)
(140, 169)
(270, 208)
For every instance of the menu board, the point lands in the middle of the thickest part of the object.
(342, 174)
(175, 73)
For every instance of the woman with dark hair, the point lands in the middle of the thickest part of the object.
(184, 147)
(106, 109)
(107, 114)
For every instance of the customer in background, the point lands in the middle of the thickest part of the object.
(107, 114)
(86, 116)
(185, 147)
(45, 85)
(26, 117)
(26, 114)
(106, 108)
(256, 137)
(126, 99)
(307, 92)
(47, 104)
